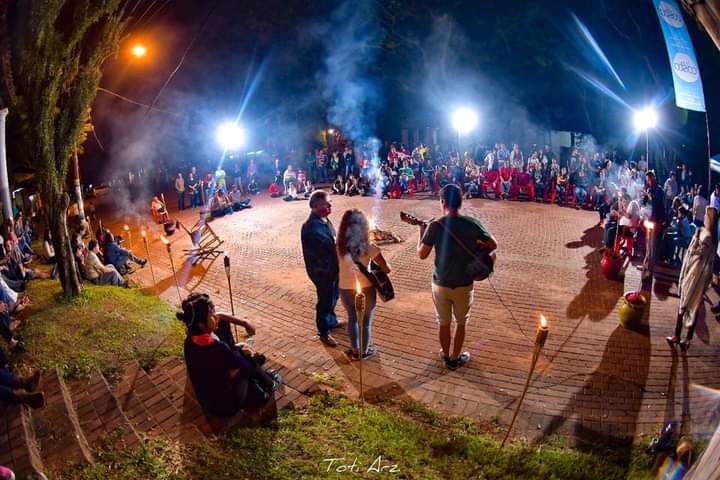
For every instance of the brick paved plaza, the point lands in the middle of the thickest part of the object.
(595, 378)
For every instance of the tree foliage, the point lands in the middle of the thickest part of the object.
(52, 54)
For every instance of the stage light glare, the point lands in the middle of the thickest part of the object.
(231, 136)
(464, 120)
(645, 119)
(331, 131)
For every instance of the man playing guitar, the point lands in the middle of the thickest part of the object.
(453, 236)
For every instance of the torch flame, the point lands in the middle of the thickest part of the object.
(543, 321)
(142, 232)
(357, 286)
(164, 240)
(126, 228)
(649, 225)
(371, 223)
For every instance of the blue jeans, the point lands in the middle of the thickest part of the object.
(327, 297)
(348, 300)
(6, 381)
(580, 194)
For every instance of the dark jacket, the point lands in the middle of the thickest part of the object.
(318, 244)
(657, 200)
(114, 254)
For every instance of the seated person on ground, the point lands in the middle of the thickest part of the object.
(226, 377)
(220, 204)
(98, 273)
(159, 209)
(338, 186)
(352, 186)
(49, 252)
(309, 188)
(238, 199)
(117, 256)
(20, 390)
(292, 193)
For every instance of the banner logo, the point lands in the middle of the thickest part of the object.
(671, 15)
(685, 68)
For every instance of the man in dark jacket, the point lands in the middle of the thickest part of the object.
(321, 264)
(658, 217)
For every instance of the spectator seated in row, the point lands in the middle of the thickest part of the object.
(220, 204)
(506, 177)
(10, 302)
(100, 274)
(117, 256)
(237, 199)
(226, 377)
(159, 210)
(291, 193)
(19, 390)
(523, 183)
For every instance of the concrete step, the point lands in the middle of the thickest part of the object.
(100, 415)
(57, 429)
(148, 410)
(18, 447)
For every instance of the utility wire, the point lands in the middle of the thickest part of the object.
(187, 50)
(134, 102)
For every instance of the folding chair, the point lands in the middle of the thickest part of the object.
(205, 243)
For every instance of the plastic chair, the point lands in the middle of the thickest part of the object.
(490, 183)
(523, 183)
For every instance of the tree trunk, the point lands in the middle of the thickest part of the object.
(67, 269)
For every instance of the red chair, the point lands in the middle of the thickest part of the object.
(412, 187)
(490, 182)
(550, 192)
(523, 183)
(395, 191)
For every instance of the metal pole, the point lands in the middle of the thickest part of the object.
(707, 126)
(4, 181)
(647, 148)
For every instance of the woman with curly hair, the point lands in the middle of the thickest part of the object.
(353, 248)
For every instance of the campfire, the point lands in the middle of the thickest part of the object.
(382, 237)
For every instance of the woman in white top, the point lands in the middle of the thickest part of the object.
(353, 245)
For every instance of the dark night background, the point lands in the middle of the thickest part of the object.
(288, 65)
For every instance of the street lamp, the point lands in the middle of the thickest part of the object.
(644, 120)
(139, 50)
(464, 120)
(230, 136)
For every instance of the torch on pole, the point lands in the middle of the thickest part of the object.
(360, 316)
(226, 261)
(147, 253)
(172, 265)
(540, 338)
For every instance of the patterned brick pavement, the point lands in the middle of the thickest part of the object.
(594, 379)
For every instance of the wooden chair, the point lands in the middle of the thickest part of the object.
(205, 243)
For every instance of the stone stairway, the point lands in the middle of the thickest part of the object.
(81, 416)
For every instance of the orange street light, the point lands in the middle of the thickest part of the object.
(138, 50)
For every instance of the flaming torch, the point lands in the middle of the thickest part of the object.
(540, 338)
(147, 253)
(172, 265)
(360, 316)
(129, 235)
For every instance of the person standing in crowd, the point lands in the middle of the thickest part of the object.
(671, 190)
(353, 247)
(180, 189)
(695, 277)
(657, 217)
(452, 284)
(699, 204)
(715, 197)
(193, 188)
(321, 264)
(348, 161)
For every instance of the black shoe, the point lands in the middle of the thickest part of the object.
(328, 340)
(339, 325)
(371, 352)
(672, 341)
(142, 263)
(277, 379)
(351, 354)
(715, 309)
(19, 347)
(461, 361)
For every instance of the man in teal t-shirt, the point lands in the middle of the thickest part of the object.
(452, 284)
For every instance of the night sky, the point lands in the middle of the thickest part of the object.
(293, 66)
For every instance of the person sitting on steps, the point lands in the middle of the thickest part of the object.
(226, 377)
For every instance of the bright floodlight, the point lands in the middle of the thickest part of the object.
(645, 119)
(139, 50)
(464, 120)
(231, 136)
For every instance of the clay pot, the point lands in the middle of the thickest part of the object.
(611, 265)
(632, 310)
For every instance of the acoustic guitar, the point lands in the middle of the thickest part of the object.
(483, 263)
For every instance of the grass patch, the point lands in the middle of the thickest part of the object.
(423, 446)
(102, 328)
